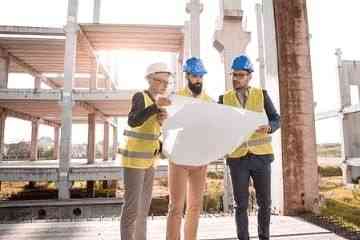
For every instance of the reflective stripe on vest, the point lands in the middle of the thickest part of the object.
(144, 136)
(144, 155)
(257, 142)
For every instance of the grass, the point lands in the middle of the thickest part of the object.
(341, 203)
(347, 213)
(48, 190)
(330, 171)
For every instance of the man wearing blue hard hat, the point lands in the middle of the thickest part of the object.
(187, 181)
(253, 158)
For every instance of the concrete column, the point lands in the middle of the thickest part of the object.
(113, 183)
(91, 138)
(345, 123)
(96, 13)
(4, 68)
(2, 133)
(93, 74)
(231, 39)
(180, 74)
(34, 140)
(187, 41)
(106, 149)
(194, 8)
(107, 83)
(115, 140)
(300, 169)
(272, 87)
(56, 143)
(37, 83)
(260, 33)
(71, 31)
(228, 199)
(34, 146)
(4, 74)
(90, 185)
(106, 142)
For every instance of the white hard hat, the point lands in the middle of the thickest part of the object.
(157, 68)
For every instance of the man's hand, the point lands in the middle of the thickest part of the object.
(162, 102)
(162, 115)
(263, 129)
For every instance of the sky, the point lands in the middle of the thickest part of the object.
(330, 26)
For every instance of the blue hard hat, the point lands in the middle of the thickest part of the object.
(242, 62)
(195, 67)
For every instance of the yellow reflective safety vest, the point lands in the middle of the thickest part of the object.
(258, 143)
(186, 92)
(141, 144)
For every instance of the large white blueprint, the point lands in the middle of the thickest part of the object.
(199, 132)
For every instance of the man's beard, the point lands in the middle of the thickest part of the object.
(240, 88)
(195, 88)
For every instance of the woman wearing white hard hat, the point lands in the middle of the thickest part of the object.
(141, 149)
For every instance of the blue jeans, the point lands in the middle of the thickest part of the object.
(258, 167)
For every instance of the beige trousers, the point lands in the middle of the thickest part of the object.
(189, 182)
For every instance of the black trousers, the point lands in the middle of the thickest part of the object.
(258, 167)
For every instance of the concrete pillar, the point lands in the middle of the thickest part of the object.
(272, 87)
(261, 59)
(96, 13)
(56, 143)
(37, 83)
(91, 138)
(93, 74)
(107, 83)
(34, 134)
(231, 39)
(71, 31)
(115, 140)
(4, 75)
(187, 41)
(4, 68)
(177, 69)
(300, 169)
(180, 75)
(2, 133)
(34, 146)
(194, 8)
(106, 142)
(345, 123)
(34, 140)
(90, 185)
(113, 183)
(106, 149)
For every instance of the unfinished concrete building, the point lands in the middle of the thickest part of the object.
(349, 77)
(81, 91)
(72, 54)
